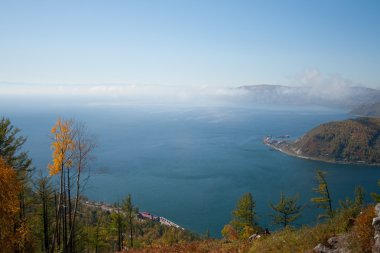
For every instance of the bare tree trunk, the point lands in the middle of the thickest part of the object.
(77, 195)
(131, 229)
(58, 217)
(73, 148)
(64, 216)
(45, 216)
(69, 243)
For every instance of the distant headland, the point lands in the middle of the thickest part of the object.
(355, 141)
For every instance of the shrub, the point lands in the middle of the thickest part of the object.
(363, 231)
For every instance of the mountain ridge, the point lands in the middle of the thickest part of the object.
(348, 97)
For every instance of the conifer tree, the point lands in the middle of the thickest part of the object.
(244, 216)
(207, 234)
(45, 205)
(358, 201)
(10, 148)
(287, 210)
(118, 226)
(376, 196)
(131, 212)
(323, 201)
(11, 151)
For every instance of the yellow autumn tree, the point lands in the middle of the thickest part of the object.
(63, 145)
(71, 151)
(9, 208)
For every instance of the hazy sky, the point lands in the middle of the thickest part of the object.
(216, 43)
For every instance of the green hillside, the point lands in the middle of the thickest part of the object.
(353, 140)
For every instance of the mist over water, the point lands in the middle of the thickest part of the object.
(191, 163)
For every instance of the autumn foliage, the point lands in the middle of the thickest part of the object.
(63, 144)
(71, 152)
(363, 230)
(352, 140)
(9, 207)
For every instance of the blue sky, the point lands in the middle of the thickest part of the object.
(175, 42)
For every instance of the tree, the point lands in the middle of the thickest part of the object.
(229, 232)
(376, 196)
(358, 201)
(207, 234)
(244, 216)
(96, 231)
(130, 211)
(118, 226)
(10, 150)
(45, 209)
(9, 208)
(71, 153)
(287, 210)
(10, 146)
(63, 146)
(323, 201)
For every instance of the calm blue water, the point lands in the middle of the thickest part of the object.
(192, 164)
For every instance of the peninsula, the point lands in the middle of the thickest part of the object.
(349, 141)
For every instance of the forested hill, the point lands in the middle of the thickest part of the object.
(353, 140)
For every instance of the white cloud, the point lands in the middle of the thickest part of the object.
(118, 93)
(313, 77)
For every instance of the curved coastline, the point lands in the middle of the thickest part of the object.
(285, 147)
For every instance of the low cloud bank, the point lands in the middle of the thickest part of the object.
(308, 88)
(120, 94)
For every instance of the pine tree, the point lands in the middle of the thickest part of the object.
(287, 210)
(358, 201)
(207, 234)
(45, 208)
(118, 226)
(131, 212)
(244, 216)
(323, 201)
(10, 150)
(376, 196)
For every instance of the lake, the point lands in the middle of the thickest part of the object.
(191, 164)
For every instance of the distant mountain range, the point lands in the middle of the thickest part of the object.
(331, 96)
(371, 110)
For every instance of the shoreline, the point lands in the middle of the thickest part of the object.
(106, 207)
(289, 152)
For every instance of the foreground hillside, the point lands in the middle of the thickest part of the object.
(351, 141)
(350, 230)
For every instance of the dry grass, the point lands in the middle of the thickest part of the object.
(306, 238)
(209, 246)
(358, 230)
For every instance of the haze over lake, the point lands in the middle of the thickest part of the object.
(191, 164)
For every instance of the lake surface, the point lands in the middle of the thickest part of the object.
(191, 164)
